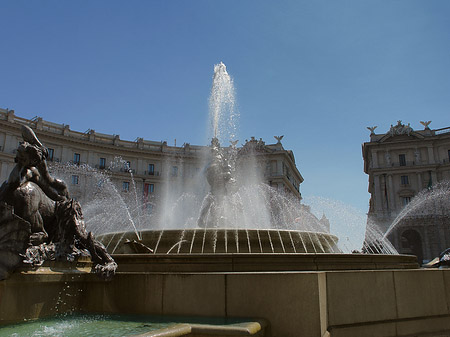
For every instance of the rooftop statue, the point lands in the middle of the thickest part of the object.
(372, 129)
(426, 124)
(38, 219)
(278, 138)
(400, 129)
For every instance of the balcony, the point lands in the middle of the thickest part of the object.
(127, 170)
(152, 173)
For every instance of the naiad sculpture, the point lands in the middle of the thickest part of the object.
(38, 219)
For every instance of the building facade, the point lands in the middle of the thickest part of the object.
(402, 163)
(150, 166)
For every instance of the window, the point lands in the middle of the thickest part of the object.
(76, 158)
(125, 186)
(151, 169)
(75, 180)
(402, 159)
(148, 189)
(404, 180)
(174, 171)
(128, 165)
(406, 200)
(102, 163)
(448, 155)
(50, 154)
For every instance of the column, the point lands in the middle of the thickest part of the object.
(374, 159)
(4, 172)
(11, 143)
(434, 177)
(140, 166)
(430, 155)
(390, 186)
(66, 155)
(91, 159)
(378, 192)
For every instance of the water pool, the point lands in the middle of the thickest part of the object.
(75, 325)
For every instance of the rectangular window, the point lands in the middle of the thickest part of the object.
(148, 189)
(75, 180)
(102, 163)
(128, 165)
(404, 180)
(151, 169)
(125, 186)
(448, 155)
(402, 159)
(174, 171)
(50, 154)
(76, 158)
(406, 200)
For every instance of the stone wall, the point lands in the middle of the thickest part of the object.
(336, 303)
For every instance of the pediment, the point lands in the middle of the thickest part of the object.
(388, 137)
(400, 130)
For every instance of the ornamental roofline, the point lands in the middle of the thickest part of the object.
(401, 129)
(101, 139)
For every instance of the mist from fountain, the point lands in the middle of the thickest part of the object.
(105, 208)
(232, 205)
(430, 202)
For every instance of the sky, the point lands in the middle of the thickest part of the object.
(317, 72)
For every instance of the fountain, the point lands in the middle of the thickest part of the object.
(238, 248)
(239, 213)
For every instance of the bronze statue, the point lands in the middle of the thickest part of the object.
(220, 177)
(38, 220)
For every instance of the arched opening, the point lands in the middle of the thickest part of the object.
(411, 243)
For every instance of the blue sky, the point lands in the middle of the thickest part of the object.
(317, 72)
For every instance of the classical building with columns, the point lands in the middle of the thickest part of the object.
(154, 165)
(402, 163)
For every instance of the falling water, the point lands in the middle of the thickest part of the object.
(292, 242)
(259, 241)
(104, 207)
(192, 242)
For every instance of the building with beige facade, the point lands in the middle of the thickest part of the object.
(401, 163)
(150, 166)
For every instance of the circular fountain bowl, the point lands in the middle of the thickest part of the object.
(240, 250)
(220, 241)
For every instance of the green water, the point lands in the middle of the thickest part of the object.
(76, 325)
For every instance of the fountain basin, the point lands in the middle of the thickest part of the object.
(244, 262)
(222, 241)
(295, 303)
(113, 325)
